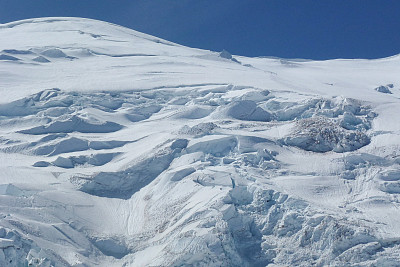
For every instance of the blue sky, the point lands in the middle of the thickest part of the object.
(290, 29)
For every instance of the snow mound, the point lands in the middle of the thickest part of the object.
(8, 57)
(125, 183)
(390, 181)
(71, 144)
(74, 124)
(194, 113)
(214, 145)
(17, 52)
(248, 110)
(41, 59)
(142, 113)
(64, 146)
(53, 53)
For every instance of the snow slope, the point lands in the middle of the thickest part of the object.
(122, 149)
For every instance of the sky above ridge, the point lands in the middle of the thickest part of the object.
(290, 29)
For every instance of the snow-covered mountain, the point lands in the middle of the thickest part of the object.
(122, 149)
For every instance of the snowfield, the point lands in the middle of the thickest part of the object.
(122, 149)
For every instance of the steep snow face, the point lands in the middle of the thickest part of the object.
(121, 149)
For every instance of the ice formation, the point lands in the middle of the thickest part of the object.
(122, 149)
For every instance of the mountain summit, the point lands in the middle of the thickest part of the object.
(118, 148)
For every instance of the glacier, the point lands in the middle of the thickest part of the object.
(118, 148)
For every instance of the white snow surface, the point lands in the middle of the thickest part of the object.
(122, 149)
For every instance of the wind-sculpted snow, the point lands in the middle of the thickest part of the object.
(248, 110)
(142, 152)
(7, 57)
(251, 227)
(74, 124)
(124, 184)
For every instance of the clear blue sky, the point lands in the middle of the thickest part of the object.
(291, 29)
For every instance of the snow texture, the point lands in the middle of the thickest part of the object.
(118, 148)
